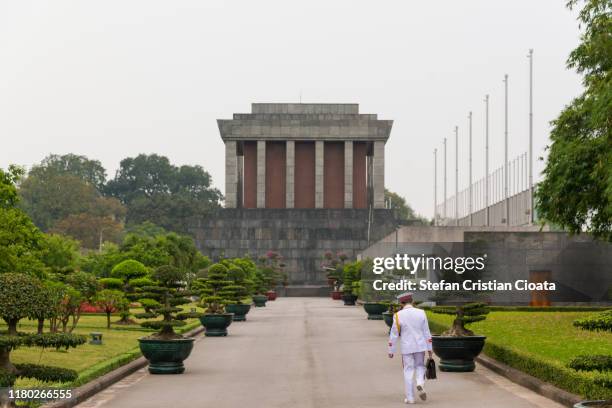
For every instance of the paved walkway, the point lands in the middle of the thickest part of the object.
(305, 352)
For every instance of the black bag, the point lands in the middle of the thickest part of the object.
(430, 372)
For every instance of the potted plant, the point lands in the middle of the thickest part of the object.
(458, 346)
(216, 320)
(351, 282)
(236, 293)
(333, 265)
(166, 350)
(392, 308)
(272, 268)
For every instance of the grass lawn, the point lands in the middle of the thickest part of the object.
(549, 335)
(540, 343)
(119, 346)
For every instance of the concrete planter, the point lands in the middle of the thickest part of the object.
(166, 356)
(457, 353)
(349, 300)
(336, 295)
(239, 310)
(375, 310)
(216, 324)
(260, 300)
(271, 295)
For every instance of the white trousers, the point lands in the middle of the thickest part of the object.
(414, 366)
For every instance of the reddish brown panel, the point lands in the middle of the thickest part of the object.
(333, 175)
(360, 195)
(276, 181)
(250, 175)
(304, 175)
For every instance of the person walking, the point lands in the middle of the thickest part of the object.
(411, 328)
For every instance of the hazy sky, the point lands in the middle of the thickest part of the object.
(111, 79)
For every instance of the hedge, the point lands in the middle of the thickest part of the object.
(591, 385)
(6, 379)
(46, 373)
(601, 321)
(542, 308)
(591, 363)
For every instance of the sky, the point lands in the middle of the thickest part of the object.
(112, 79)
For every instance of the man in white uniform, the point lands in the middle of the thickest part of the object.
(410, 327)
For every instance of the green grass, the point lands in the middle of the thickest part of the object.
(120, 346)
(542, 344)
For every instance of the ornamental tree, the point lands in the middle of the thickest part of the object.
(212, 289)
(110, 301)
(19, 297)
(464, 314)
(168, 294)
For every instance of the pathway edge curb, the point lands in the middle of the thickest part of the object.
(528, 381)
(88, 390)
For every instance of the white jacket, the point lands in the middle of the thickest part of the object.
(415, 336)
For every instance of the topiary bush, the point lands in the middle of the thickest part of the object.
(464, 314)
(163, 300)
(591, 363)
(597, 322)
(129, 269)
(212, 289)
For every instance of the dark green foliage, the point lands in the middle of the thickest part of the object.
(576, 192)
(591, 363)
(46, 373)
(212, 288)
(464, 315)
(60, 254)
(155, 190)
(8, 186)
(19, 297)
(85, 283)
(90, 171)
(597, 322)
(7, 379)
(351, 277)
(161, 300)
(140, 282)
(110, 301)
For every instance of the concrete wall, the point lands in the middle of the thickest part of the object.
(580, 266)
(301, 236)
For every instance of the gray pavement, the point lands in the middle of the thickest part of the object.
(305, 352)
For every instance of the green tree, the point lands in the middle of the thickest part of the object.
(90, 171)
(402, 210)
(20, 240)
(59, 254)
(111, 301)
(576, 192)
(155, 190)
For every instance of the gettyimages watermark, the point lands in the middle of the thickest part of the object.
(480, 270)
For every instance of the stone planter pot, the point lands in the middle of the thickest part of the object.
(593, 404)
(271, 295)
(336, 295)
(349, 300)
(216, 324)
(260, 300)
(166, 356)
(375, 310)
(388, 318)
(457, 353)
(239, 311)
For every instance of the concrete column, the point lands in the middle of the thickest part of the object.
(290, 174)
(348, 174)
(378, 170)
(261, 174)
(319, 169)
(231, 175)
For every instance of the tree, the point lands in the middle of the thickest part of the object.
(59, 254)
(154, 190)
(90, 171)
(213, 288)
(91, 230)
(576, 192)
(111, 301)
(403, 211)
(19, 296)
(20, 240)
(464, 314)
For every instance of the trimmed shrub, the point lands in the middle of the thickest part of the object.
(129, 269)
(591, 363)
(111, 283)
(598, 322)
(46, 373)
(6, 379)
